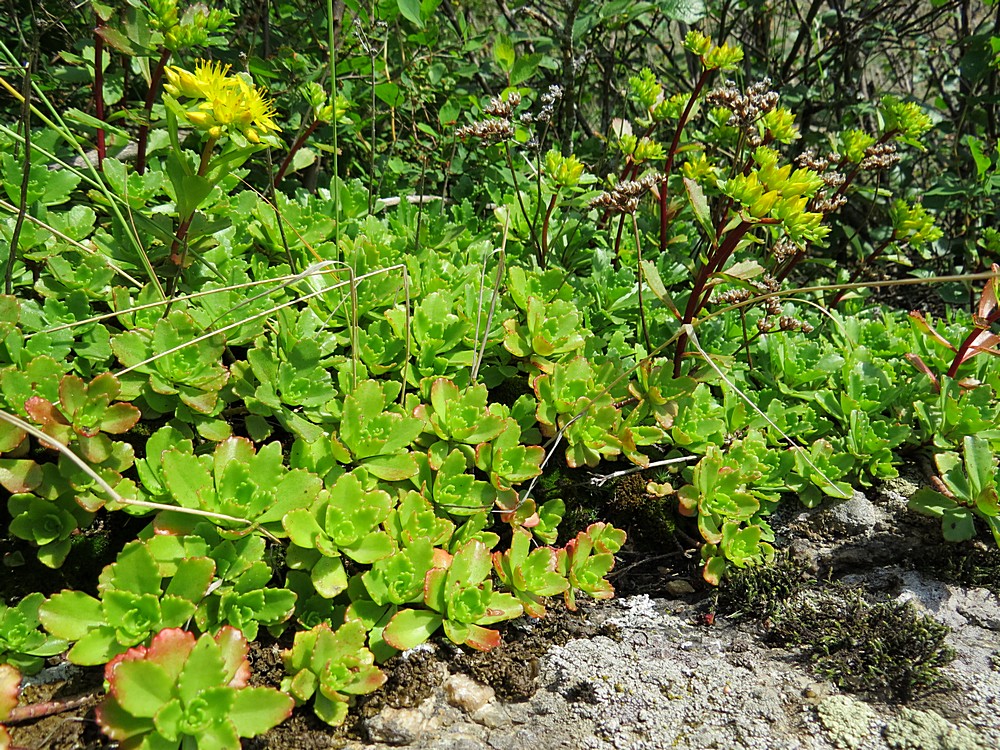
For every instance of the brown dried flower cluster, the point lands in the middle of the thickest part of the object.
(495, 130)
(549, 100)
(827, 200)
(880, 156)
(784, 323)
(766, 284)
(747, 106)
(501, 108)
(624, 197)
(492, 131)
(784, 249)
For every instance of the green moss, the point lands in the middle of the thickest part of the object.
(966, 564)
(884, 649)
(757, 590)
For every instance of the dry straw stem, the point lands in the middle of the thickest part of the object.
(108, 489)
(353, 282)
(58, 125)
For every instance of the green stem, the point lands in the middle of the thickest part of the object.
(185, 225)
(545, 231)
(22, 202)
(638, 281)
(520, 202)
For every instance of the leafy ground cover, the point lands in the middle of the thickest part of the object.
(329, 339)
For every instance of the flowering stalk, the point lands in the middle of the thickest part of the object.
(699, 296)
(665, 212)
(154, 86)
(99, 90)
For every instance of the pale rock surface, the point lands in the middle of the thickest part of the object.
(657, 680)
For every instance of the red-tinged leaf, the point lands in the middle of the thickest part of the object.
(141, 687)
(434, 585)
(256, 710)
(19, 475)
(170, 649)
(44, 412)
(10, 689)
(989, 309)
(114, 38)
(119, 418)
(410, 627)
(926, 328)
(104, 386)
(715, 569)
(470, 565)
(234, 648)
(917, 362)
(982, 342)
(482, 639)
(117, 723)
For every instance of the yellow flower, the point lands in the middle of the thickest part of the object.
(229, 102)
(207, 78)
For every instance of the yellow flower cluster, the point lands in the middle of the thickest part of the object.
(228, 103)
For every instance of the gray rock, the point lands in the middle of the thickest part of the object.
(656, 680)
(403, 726)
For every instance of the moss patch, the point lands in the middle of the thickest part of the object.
(880, 648)
(883, 649)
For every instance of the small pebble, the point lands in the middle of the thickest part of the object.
(465, 693)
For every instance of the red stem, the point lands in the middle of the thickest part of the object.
(47, 708)
(99, 91)
(154, 86)
(664, 212)
(960, 354)
(699, 294)
(286, 163)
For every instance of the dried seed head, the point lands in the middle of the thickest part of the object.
(810, 159)
(624, 197)
(747, 106)
(766, 283)
(491, 131)
(824, 204)
(788, 323)
(503, 108)
(880, 156)
(784, 249)
(732, 297)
